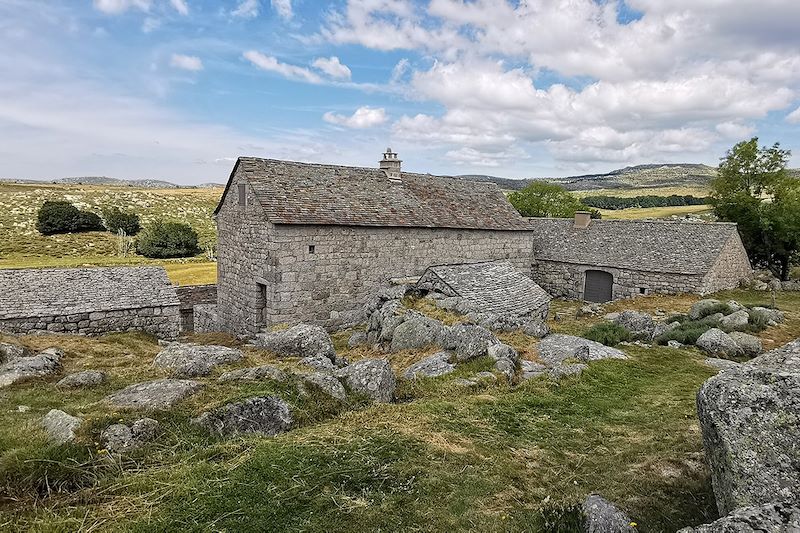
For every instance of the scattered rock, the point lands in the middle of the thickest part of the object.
(601, 516)
(750, 420)
(372, 377)
(750, 345)
(358, 338)
(502, 351)
(190, 360)
(716, 342)
(44, 364)
(734, 306)
(589, 310)
(722, 364)
(319, 362)
(60, 426)
(462, 382)
(158, 394)
(674, 344)
(507, 368)
(468, 341)
(119, 438)
(556, 348)
(783, 517)
(302, 340)
(702, 308)
(327, 383)
(561, 371)
(383, 321)
(531, 370)
(534, 327)
(641, 325)
(258, 373)
(9, 352)
(662, 327)
(770, 315)
(415, 333)
(87, 378)
(437, 364)
(485, 376)
(735, 321)
(268, 415)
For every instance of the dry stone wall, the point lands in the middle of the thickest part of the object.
(164, 322)
(191, 296)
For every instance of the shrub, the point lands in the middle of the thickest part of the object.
(116, 220)
(689, 331)
(721, 307)
(162, 240)
(607, 333)
(62, 217)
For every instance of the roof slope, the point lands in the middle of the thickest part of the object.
(305, 193)
(490, 287)
(655, 246)
(67, 291)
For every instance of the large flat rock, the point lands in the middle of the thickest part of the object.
(159, 394)
(192, 360)
(556, 348)
(24, 368)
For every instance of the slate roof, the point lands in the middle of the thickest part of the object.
(306, 193)
(66, 291)
(653, 246)
(491, 287)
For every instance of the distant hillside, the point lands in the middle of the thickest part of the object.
(117, 182)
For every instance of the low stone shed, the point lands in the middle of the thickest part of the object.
(89, 301)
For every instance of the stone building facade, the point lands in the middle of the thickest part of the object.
(309, 243)
(641, 257)
(89, 301)
(192, 296)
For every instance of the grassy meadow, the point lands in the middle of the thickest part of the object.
(443, 458)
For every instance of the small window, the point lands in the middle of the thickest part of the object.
(311, 249)
(642, 290)
(242, 194)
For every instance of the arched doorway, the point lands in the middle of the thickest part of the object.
(598, 286)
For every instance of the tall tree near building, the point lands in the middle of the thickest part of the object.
(541, 199)
(754, 190)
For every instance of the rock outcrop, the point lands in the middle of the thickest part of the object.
(468, 341)
(750, 419)
(268, 415)
(703, 308)
(641, 325)
(302, 340)
(783, 517)
(415, 333)
(716, 343)
(158, 394)
(436, 365)
(371, 377)
(326, 383)
(120, 438)
(19, 369)
(60, 426)
(601, 516)
(84, 379)
(750, 345)
(736, 321)
(9, 352)
(556, 348)
(257, 373)
(191, 360)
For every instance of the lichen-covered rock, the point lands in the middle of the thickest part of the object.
(468, 341)
(325, 382)
(778, 517)
(120, 438)
(86, 378)
(268, 415)
(502, 351)
(716, 342)
(436, 365)
(750, 345)
(318, 362)
(60, 426)
(506, 367)
(556, 348)
(302, 340)
(9, 352)
(532, 370)
(562, 370)
(601, 516)
(415, 333)
(750, 419)
(372, 377)
(534, 327)
(734, 306)
(258, 373)
(641, 325)
(158, 394)
(19, 369)
(384, 320)
(722, 364)
(735, 321)
(702, 308)
(191, 360)
(771, 316)
(358, 338)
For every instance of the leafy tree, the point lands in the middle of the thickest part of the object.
(167, 239)
(60, 216)
(754, 190)
(116, 220)
(541, 199)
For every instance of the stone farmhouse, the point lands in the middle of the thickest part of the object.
(602, 260)
(89, 301)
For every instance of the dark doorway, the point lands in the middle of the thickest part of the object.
(599, 286)
(261, 304)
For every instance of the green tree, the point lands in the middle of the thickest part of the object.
(167, 239)
(59, 216)
(116, 220)
(541, 199)
(754, 190)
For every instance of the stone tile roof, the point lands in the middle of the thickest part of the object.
(491, 287)
(66, 291)
(654, 246)
(305, 193)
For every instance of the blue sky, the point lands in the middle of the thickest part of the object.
(177, 89)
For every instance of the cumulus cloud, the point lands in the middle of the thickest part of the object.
(115, 7)
(271, 64)
(180, 6)
(332, 67)
(794, 117)
(247, 9)
(364, 117)
(283, 8)
(184, 62)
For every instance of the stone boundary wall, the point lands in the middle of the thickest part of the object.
(206, 319)
(566, 280)
(191, 296)
(163, 322)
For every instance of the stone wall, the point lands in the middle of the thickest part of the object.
(191, 296)
(732, 267)
(163, 322)
(206, 319)
(566, 280)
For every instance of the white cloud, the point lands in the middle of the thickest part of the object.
(184, 62)
(736, 131)
(364, 117)
(332, 67)
(794, 117)
(180, 6)
(115, 7)
(284, 8)
(271, 64)
(247, 9)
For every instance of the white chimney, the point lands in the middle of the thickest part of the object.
(391, 165)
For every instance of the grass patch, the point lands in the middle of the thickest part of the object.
(635, 213)
(607, 333)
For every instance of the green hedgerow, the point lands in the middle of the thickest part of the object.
(163, 240)
(607, 333)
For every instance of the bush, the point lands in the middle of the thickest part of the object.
(117, 219)
(63, 217)
(721, 307)
(607, 333)
(163, 240)
(689, 330)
